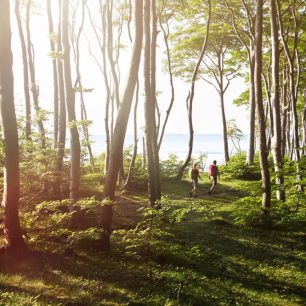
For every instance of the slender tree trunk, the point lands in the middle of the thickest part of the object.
(70, 105)
(54, 69)
(144, 154)
(225, 138)
(78, 84)
(265, 176)
(275, 101)
(62, 112)
(121, 122)
(34, 86)
(110, 51)
(293, 83)
(154, 105)
(12, 233)
(285, 106)
(251, 149)
(149, 109)
(108, 93)
(26, 85)
(190, 97)
(169, 64)
(128, 181)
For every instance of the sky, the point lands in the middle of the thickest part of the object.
(207, 111)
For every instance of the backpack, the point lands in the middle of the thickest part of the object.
(213, 170)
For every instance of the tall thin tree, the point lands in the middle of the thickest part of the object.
(26, 85)
(10, 201)
(70, 106)
(190, 97)
(122, 119)
(263, 154)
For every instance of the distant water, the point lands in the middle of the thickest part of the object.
(209, 144)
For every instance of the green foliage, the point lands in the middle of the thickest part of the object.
(248, 212)
(170, 166)
(239, 169)
(152, 232)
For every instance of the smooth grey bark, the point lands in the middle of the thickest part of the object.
(13, 241)
(293, 78)
(189, 100)
(70, 107)
(154, 105)
(62, 111)
(128, 181)
(34, 87)
(121, 122)
(78, 84)
(148, 106)
(250, 34)
(110, 48)
(275, 102)
(263, 156)
(103, 49)
(284, 113)
(169, 65)
(26, 85)
(54, 70)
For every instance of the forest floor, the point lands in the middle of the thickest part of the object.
(187, 253)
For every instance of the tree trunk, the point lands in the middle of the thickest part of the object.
(12, 233)
(108, 93)
(122, 120)
(293, 83)
(26, 85)
(128, 181)
(190, 97)
(275, 102)
(34, 86)
(110, 51)
(148, 105)
(54, 69)
(78, 84)
(169, 64)
(265, 176)
(251, 149)
(285, 106)
(70, 105)
(225, 138)
(62, 113)
(155, 127)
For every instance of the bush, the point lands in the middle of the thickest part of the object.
(238, 168)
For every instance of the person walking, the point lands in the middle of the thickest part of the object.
(213, 174)
(194, 177)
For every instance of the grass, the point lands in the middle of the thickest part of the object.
(189, 254)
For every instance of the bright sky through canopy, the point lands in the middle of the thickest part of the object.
(207, 113)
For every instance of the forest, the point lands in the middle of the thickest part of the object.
(123, 225)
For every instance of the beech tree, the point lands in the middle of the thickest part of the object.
(263, 154)
(244, 27)
(34, 87)
(190, 97)
(275, 101)
(26, 84)
(52, 38)
(122, 120)
(70, 106)
(12, 233)
(62, 110)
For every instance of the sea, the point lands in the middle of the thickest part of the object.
(211, 145)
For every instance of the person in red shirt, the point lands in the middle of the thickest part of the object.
(194, 177)
(213, 174)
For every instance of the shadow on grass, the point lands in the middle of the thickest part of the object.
(207, 262)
